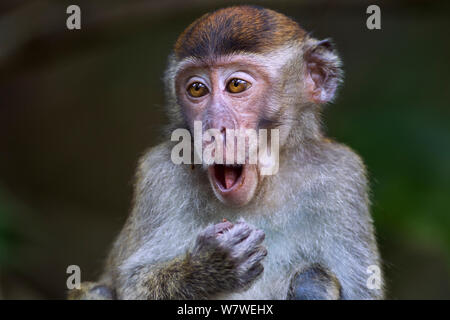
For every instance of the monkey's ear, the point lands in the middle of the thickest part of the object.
(323, 71)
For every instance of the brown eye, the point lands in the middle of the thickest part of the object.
(238, 85)
(197, 89)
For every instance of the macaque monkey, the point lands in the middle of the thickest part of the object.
(304, 232)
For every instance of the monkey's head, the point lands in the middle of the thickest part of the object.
(248, 67)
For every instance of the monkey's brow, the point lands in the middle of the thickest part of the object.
(241, 62)
(255, 70)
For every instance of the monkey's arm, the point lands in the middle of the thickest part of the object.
(188, 277)
(337, 209)
(225, 258)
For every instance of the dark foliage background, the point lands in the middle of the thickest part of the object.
(77, 108)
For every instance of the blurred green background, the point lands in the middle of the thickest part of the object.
(77, 108)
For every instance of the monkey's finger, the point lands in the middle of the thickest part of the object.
(257, 254)
(235, 235)
(223, 226)
(253, 256)
(255, 238)
(253, 273)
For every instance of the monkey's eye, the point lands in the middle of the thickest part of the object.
(237, 85)
(197, 89)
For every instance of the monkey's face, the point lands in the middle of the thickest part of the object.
(229, 97)
(248, 68)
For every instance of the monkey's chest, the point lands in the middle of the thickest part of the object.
(280, 264)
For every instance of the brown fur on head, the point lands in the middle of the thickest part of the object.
(237, 29)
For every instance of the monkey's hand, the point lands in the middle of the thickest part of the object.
(315, 282)
(225, 258)
(232, 253)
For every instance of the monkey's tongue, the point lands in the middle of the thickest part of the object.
(227, 176)
(231, 175)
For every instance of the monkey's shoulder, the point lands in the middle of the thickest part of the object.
(330, 170)
(341, 161)
(341, 176)
(155, 165)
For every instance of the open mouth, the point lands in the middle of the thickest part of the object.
(234, 185)
(227, 176)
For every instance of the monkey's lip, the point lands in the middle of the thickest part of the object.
(227, 177)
